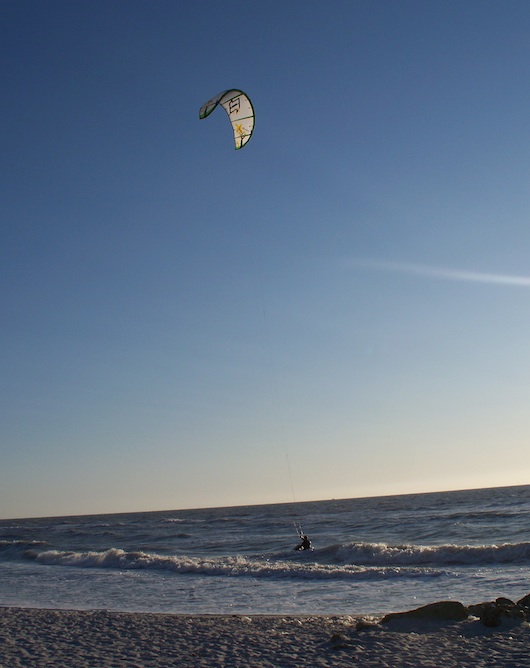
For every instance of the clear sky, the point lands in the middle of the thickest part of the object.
(346, 299)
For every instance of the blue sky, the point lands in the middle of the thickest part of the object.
(346, 299)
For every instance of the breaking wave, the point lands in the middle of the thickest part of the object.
(349, 561)
(434, 555)
(229, 566)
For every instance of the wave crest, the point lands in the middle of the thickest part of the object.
(18, 549)
(435, 555)
(223, 566)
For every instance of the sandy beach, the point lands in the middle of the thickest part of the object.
(101, 639)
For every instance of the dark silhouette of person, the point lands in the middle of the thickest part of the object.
(304, 545)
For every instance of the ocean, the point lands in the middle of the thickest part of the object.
(370, 556)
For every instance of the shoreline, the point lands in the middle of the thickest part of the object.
(43, 638)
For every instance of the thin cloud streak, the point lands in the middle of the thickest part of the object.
(444, 273)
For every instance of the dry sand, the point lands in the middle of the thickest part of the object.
(100, 639)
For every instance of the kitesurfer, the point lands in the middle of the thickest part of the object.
(304, 545)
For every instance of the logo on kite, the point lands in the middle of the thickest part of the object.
(239, 110)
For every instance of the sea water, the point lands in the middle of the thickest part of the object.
(370, 556)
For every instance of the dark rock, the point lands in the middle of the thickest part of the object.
(492, 613)
(505, 602)
(441, 611)
(338, 641)
(488, 613)
(510, 609)
(524, 602)
(475, 609)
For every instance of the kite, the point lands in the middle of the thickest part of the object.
(239, 110)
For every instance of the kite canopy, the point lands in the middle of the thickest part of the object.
(240, 112)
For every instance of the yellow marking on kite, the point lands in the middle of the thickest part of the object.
(239, 128)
